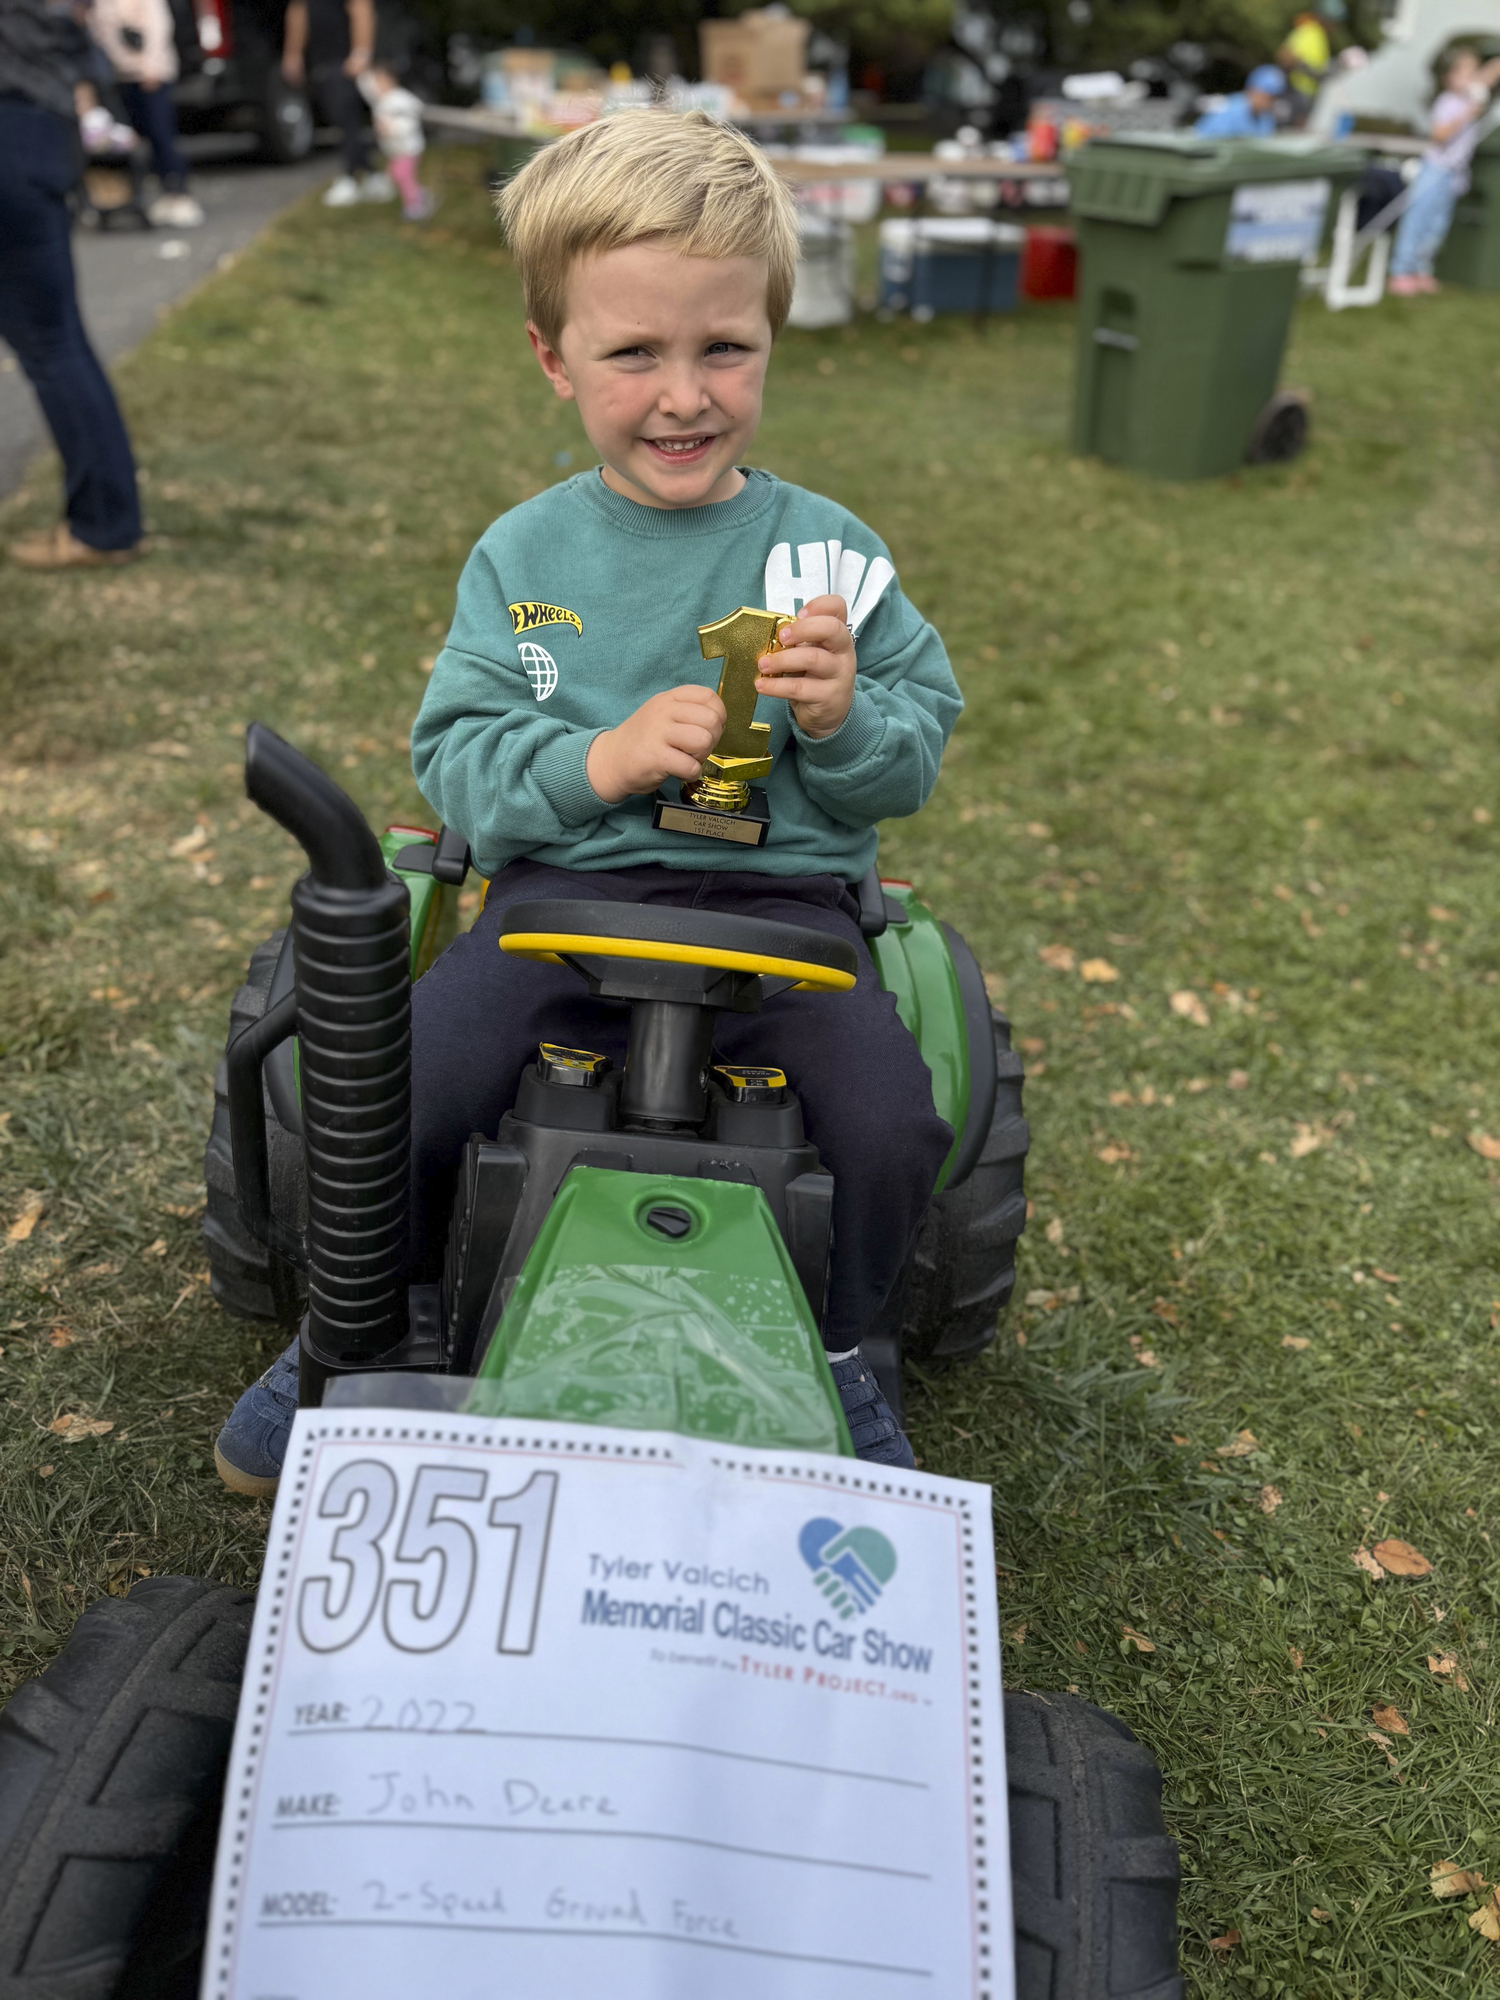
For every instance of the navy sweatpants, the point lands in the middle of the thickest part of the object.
(39, 318)
(866, 1094)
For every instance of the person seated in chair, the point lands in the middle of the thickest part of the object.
(657, 255)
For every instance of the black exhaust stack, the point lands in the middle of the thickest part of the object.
(350, 925)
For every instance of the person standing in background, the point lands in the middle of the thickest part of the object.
(137, 36)
(45, 58)
(1307, 54)
(1444, 172)
(330, 43)
(1250, 113)
(398, 127)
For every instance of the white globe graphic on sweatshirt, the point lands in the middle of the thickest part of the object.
(541, 669)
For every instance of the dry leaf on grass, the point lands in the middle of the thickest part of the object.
(189, 843)
(1227, 1942)
(1320, 1916)
(1294, 1654)
(1114, 1153)
(1390, 1718)
(1299, 1341)
(1486, 1919)
(1383, 1744)
(156, 1249)
(1270, 1499)
(1448, 1879)
(1055, 1230)
(33, 1208)
(61, 1336)
(1238, 1079)
(1137, 1639)
(1385, 1277)
(1057, 956)
(1186, 1005)
(1446, 1665)
(1401, 1559)
(1243, 1444)
(1307, 1139)
(1362, 1559)
(73, 1429)
(1196, 1085)
(1097, 971)
(1486, 1147)
(1164, 1309)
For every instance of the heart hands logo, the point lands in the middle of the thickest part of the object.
(851, 1566)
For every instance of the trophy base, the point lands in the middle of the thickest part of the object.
(749, 826)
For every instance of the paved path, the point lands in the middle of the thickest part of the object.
(127, 277)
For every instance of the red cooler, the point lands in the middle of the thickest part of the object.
(1049, 269)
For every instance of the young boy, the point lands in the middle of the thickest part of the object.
(657, 256)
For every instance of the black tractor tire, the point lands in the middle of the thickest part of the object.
(112, 1766)
(1094, 1872)
(247, 1279)
(962, 1269)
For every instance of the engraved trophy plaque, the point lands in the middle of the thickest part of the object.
(726, 803)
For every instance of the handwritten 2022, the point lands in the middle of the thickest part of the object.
(423, 1584)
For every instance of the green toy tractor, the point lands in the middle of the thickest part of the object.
(646, 1247)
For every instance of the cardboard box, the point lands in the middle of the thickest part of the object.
(756, 54)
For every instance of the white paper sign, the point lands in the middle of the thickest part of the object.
(550, 1710)
(1280, 222)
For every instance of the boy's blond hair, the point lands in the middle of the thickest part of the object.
(682, 179)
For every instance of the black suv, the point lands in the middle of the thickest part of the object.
(231, 81)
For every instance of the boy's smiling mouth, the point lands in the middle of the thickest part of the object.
(681, 451)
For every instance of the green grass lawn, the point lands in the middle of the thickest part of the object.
(1218, 819)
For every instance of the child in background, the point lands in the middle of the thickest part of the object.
(397, 114)
(1444, 173)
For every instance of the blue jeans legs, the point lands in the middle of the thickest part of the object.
(1424, 226)
(154, 116)
(39, 318)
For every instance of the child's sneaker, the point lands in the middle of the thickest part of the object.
(872, 1426)
(252, 1445)
(344, 192)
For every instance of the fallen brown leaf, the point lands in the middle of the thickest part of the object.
(1401, 1559)
(1270, 1499)
(45, 1471)
(1238, 1079)
(1486, 1919)
(1390, 1718)
(1320, 1916)
(73, 1429)
(1383, 1744)
(1057, 956)
(1196, 1085)
(1362, 1559)
(1385, 1277)
(1225, 1943)
(1138, 1639)
(1299, 1341)
(1448, 1879)
(1056, 1229)
(1097, 972)
(1294, 1654)
(61, 1336)
(1114, 1153)
(1486, 1147)
(1306, 1139)
(1164, 1309)
(1186, 1005)
(1446, 1665)
(156, 1249)
(1244, 1442)
(33, 1208)
(1441, 916)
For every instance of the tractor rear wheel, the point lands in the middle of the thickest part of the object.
(112, 1768)
(248, 1279)
(962, 1270)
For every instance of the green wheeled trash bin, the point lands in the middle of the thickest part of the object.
(1471, 254)
(1189, 257)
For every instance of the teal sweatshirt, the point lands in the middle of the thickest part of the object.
(578, 605)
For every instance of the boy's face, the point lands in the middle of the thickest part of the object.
(1462, 70)
(665, 356)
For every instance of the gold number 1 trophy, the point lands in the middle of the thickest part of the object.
(726, 803)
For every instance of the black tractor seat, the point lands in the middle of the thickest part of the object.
(566, 932)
